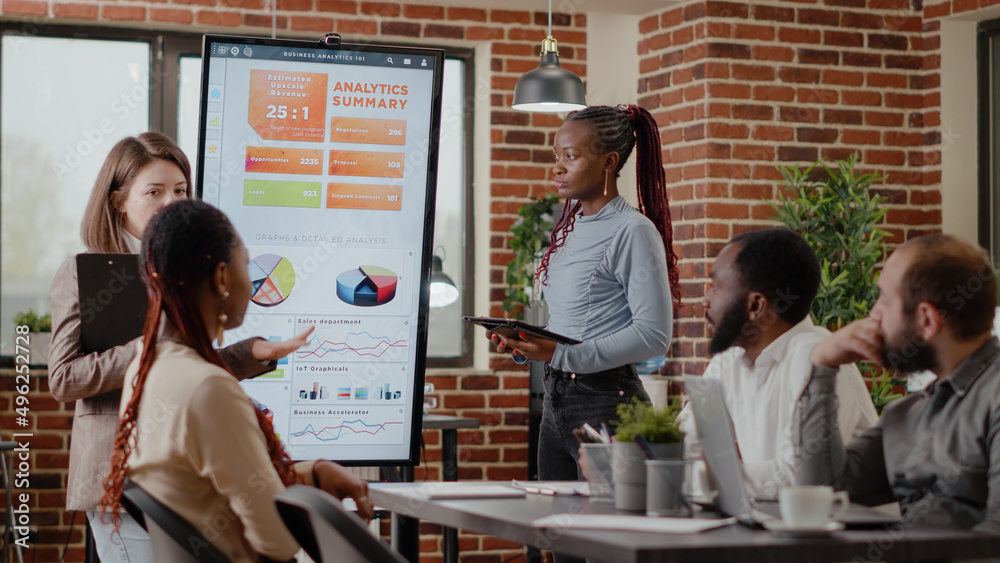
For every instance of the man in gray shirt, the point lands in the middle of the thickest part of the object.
(937, 452)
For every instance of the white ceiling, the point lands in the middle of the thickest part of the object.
(635, 7)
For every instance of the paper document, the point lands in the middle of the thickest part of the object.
(632, 523)
(553, 487)
(453, 490)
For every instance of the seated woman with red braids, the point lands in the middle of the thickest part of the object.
(188, 433)
(609, 278)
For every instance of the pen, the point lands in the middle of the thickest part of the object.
(593, 434)
(640, 441)
(540, 490)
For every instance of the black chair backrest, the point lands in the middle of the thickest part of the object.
(174, 539)
(327, 532)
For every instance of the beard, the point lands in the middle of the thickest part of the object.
(908, 353)
(728, 330)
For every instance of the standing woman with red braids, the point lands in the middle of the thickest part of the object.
(609, 278)
(188, 433)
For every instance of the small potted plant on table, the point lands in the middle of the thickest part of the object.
(660, 429)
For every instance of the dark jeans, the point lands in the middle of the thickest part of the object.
(572, 399)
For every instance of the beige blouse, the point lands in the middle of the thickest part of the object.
(201, 452)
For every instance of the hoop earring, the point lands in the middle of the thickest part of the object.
(223, 319)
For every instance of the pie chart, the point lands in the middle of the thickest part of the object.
(367, 286)
(273, 279)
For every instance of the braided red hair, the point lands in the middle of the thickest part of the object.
(177, 253)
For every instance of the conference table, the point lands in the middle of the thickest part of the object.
(511, 519)
(406, 531)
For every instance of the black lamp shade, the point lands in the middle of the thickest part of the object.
(549, 88)
(443, 290)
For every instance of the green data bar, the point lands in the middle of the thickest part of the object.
(276, 374)
(275, 193)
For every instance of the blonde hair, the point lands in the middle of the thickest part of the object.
(103, 220)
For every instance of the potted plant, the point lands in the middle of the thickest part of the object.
(531, 234)
(838, 216)
(39, 335)
(656, 426)
(834, 210)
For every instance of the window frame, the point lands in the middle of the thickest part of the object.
(467, 56)
(166, 49)
(988, 71)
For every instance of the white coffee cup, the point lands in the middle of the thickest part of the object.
(811, 505)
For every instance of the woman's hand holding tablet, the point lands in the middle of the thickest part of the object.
(525, 341)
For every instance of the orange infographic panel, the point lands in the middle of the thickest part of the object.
(277, 160)
(365, 130)
(364, 196)
(365, 163)
(288, 106)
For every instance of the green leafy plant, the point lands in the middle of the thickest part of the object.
(656, 426)
(34, 322)
(882, 389)
(838, 216)
(530, 233)
(835, 212)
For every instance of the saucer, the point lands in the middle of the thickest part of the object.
(781, 527)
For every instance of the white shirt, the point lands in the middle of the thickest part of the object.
(763, 402)
(134, 245)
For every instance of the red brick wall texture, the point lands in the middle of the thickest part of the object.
(736, 87)
(740, 87)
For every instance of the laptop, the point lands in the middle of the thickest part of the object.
(718, 444)
(112, 300)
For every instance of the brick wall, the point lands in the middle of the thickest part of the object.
(740, 87)
(49, 422)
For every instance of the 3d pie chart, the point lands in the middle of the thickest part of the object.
(367, 286)
(273, 279)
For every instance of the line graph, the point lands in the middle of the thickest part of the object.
(388, 432)
(360, 344)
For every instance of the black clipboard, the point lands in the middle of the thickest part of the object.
(113, 300)
(509, 328)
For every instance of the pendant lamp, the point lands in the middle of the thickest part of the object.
(443, 290)
(550, 87)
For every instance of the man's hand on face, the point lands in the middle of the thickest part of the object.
(855, 342)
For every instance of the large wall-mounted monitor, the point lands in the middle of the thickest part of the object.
(324, 156)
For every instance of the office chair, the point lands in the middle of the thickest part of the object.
(327, 532)
(174, 539)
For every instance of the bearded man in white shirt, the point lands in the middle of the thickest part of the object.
(757, 307)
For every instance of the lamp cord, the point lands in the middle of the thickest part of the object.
(550, 18)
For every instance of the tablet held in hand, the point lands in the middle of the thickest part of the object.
(508, 328)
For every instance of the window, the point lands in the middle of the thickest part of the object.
(58, 119)
(448, 338)
(69, 94)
